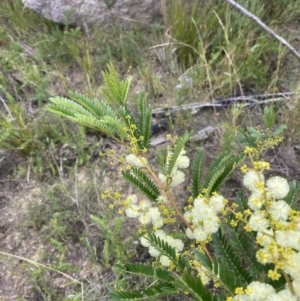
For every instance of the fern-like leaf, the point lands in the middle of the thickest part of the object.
(117, 124)
(153, 292)
(165, 249)
(141, 181)
(164, 275)
(142, 269)
(104, 127)
(99, 117)
(136, 269)
(226, 255)
(180, 143)
(93, 106)
(203, 259)
(162, 160)
(219, 170)
(230, 166)
(241, 201)
(66, 107)
(116, 90)
(193, 285)
(293, 195)
(197, 173)
(144, 122)
(127, 116)
(243, 245)
(224, 279)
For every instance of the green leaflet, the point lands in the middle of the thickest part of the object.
(242, 201)
(176, 151)
(197, 173)
(116, 90)
(98, 116)
(136, 268)
(144, 122)
(192, 284)
(243, 245)
(269, 117)
(204, 259)
(165, 249)
(118, 125)
(162, 160)
(219, 170)
(110, 128)
(147, 270)
(93, 106)
(141, 181)
(66, 107)
(152, 292)
(238, 275)
(165, 287)
(225, 279)
(293, 195)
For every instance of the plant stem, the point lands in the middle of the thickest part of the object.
(289, 283)
(173, 204)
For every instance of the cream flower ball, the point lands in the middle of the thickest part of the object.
(256, 201)
(183, 162)
(177, 178)
(258, 222)
(251, 179)
(278, 187)
(288, 238)
(133, 160)
(279, 210)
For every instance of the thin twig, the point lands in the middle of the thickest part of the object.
(46, 267)
(244, 101)
(263, 26)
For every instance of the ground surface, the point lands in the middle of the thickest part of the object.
(49, 245)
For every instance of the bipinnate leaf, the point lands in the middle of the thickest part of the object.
(141, 181)
(279, 130)
(197, 173)
(293, 195)
(98, 116)
(243, 245)
(166, 285)
(142, 269)
(136, 268)
(165, 249)
(115, 90)
(192, 284)
(144, 122)
(172, 282)
(162, 159)
(180, 143)
(225, 279)
(164, 275)
(268, 117)
(234, 273)
(219, 170)
(94, 107)
(153, 292)
(241, 201)
(203, 259)
(66, 107)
